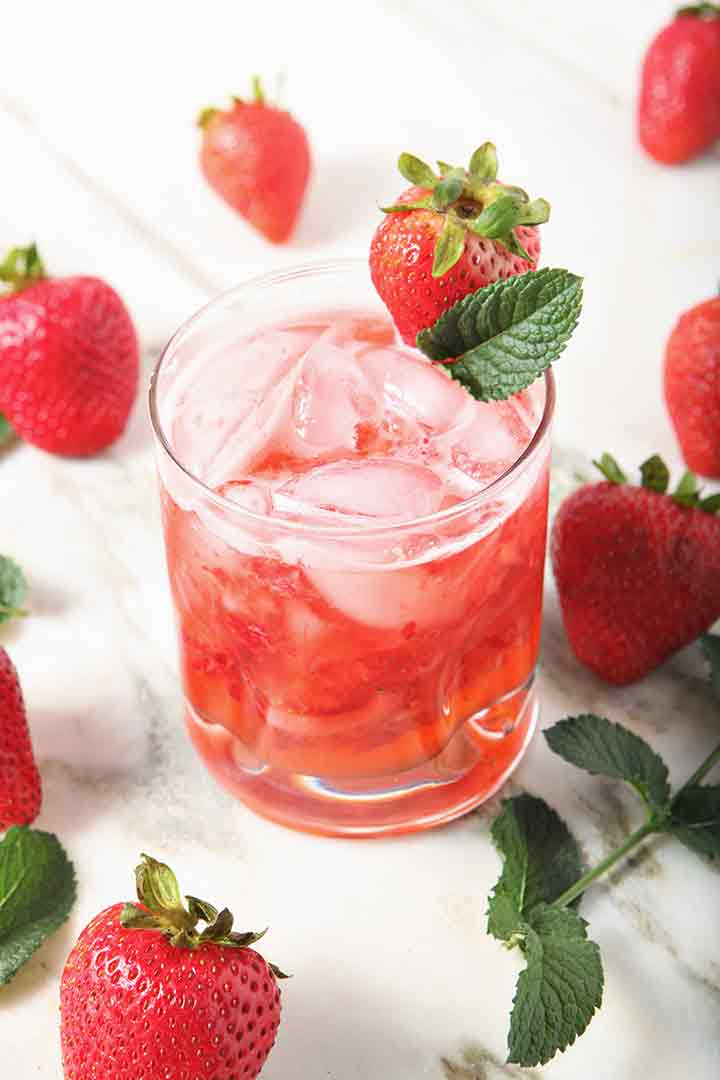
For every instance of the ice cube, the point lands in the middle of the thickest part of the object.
(425, 392)
(214, 397)
(251, 495)
(378, 488)
(332, 396)
(491, 442)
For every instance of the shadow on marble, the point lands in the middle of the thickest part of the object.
(45, 598)
(479, 1063)
(339, 189)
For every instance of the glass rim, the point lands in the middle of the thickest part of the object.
(276, 277)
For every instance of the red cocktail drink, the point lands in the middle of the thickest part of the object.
(356, 551)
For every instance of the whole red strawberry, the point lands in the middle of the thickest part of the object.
(20, 789)
(257, 158)
(692, 386)
(450, 234)
(679, 104)
(637, 570)
(146, 995)
(68, 358)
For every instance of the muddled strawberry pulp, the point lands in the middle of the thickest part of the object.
(346, 603)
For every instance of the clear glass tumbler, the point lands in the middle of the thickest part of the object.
(345, 679)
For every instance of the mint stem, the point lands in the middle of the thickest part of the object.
(653, 824)
(635, 838)
(702, 770)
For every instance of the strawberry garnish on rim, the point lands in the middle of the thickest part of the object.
(453, 232)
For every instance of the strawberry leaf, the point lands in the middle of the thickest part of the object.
(687, 493)
(508, 333)
(37, 892)
(449, 247)
(13, 589)
(416, 171)
(447, 190)
(711, 503)
(560, 988)
(655, 474)
(484, 163)
(606, 749)
(7, 433)
(610, 469)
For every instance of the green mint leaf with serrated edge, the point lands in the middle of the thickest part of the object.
(13, 589)
(541, 859)
(607, 749)
(560, 988)
(37, 892)
(710, 645)
(610, 469)
(655, 474)
(695, 818)
(505, 335)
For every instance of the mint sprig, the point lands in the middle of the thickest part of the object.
(13, 589)
(533, 904)
(37, 892)
(504, 336)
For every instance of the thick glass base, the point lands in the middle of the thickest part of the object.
(470, 769)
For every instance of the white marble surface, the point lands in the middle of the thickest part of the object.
(386, 939)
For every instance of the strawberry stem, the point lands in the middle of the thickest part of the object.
(22, 267)
(163, 908)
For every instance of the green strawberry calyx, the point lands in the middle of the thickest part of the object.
(472, 200)
(655, 476)
(699, 11)
(176, 917)
(22, 267)
(258, 98)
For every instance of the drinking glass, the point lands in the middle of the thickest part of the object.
(339, 678)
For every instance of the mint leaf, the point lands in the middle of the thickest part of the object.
(7, 433)
(541, 859)
(559, 990)
(506, 334)
(710, 645)
(606, 749)
(37, 891)
(695, 818)
(655, 474)
(13, 588)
